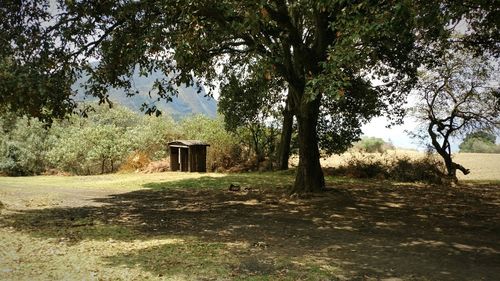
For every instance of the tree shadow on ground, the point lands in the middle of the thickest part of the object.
(355, 231)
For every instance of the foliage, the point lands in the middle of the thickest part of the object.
(341, 118)
(479, 142)
(90, 150)
(109, 138)
(152, 135)
(23, 146)
(224, 151)
(97, 144)
(373, 144)
(250, 111)
(427, 169)
(35, 77)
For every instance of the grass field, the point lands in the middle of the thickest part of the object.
(180, 226)
(483, 166)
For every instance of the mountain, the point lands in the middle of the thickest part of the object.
(187, 102)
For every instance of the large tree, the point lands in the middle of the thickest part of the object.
(319, 48)
(456, 97)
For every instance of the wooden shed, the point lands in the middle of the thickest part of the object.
(188, 155)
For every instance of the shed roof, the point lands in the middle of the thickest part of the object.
(188, 143)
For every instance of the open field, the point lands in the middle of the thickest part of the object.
(179, 226)
(483, 166)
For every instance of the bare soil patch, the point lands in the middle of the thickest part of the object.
(355, 231)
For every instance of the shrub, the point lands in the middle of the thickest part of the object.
(427, 169)
(363, 166)
(23, 147)
(372, 145)
(11, 164)
(224, 151)
(136, 161)
(162, 165)
(152, 135)
(109, 139)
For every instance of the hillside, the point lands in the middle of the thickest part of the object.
(188, 101)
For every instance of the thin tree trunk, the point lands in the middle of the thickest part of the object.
(452, 172)
(103, 165)
(309, 176)
(445, 152)
(286, 138)
(258, 151)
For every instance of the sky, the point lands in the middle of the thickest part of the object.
(397, 135)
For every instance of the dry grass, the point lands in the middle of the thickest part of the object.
(483, 166)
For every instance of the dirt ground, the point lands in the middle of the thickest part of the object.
(355, 231)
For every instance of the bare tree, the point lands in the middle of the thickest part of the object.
(457, 96)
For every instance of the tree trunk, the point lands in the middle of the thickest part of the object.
(445, 152)
(309, 176)
(286, 138)
(103, 165)
(259, 157)
(450, 168)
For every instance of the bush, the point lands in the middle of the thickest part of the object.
(372, 145)
(115, 139)
(225, 150)
(162, 165)
(23, 147)
(135, 162)
(11, 164)
(479, 142)
(363, 166)
(479, 146)
(109, 139)
(152, 135)
(427, 169)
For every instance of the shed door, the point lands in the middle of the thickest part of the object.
(174, 159)
(184, 159)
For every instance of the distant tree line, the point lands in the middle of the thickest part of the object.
(480, 142)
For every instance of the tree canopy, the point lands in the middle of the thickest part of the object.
(480, 142)
(320, 49)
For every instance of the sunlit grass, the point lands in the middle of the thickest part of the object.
(108, 181)
(267, 180)
(107, 236)
(69, 244)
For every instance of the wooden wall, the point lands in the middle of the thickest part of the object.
(192, 159)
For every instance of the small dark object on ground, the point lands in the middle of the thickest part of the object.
(233, 187)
